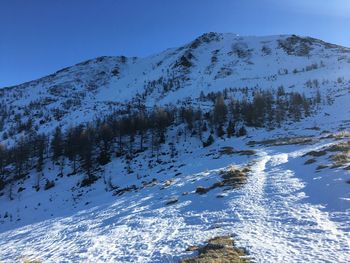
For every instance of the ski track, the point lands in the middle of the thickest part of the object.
(277, 226)
(268, 216)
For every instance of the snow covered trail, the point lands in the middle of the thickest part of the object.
(270, 217)
(276, 225)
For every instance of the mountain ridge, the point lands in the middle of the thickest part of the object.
(193, 43)
(210, 63)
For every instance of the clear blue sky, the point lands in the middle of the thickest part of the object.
(38, 37)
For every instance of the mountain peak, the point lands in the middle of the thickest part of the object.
(211, 63)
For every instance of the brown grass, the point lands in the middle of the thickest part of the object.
(230, 150)
(26, 260)
(310, 161)
(283, 141)
(316, 153)
(340, 147)
(338, 135)
(246, 152)
(231, 177)
(321, 166)
(341, 158)
(234, 177)
(227, 150)
(218, 250)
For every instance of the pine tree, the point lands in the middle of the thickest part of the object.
(318, 97)
(40, 145)
(86, 141)
(220, 130)
(242, 131)
(21, 154)
(188, 116)
(258, 109)
(220, 110)
(2, 158)
(230, 129)
(209, 141)
(281, 91)
(57, 144)
(142, 127)
(72, 144)
(105, 136)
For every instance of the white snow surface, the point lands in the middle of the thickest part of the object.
(273, 216)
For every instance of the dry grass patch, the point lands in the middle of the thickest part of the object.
(232, 177)
(316, 153)
(26, 260)
(284, 141)
(226, 150)
(310, 161)
(218, 250)
(338, 135)
(341, 159)
(321, 166)
(230, 150)
(340, 147)
(246, 152)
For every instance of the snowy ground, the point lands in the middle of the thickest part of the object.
(271, 216)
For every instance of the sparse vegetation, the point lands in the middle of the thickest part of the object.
(202, 190)
(283, 141)
(297, 46)
(316, 153)
(231, 177)
(218, 250)
(340, 159)
(227, 150)
(310, 161)
(234, 177)
(340, 147)
(89, 180)
(87, 147)
(26, 260)
(340, 156)
(172, 201)
(49, 184)
(321, 167)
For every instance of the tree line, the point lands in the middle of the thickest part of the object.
(128, 132)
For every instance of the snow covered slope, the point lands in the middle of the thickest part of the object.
(291, 204)
(210, 63)
(286, 211)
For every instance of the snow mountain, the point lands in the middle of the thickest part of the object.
(212, 62)
(226, 136)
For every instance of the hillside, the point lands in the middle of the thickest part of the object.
(210, 63)
(122, 159)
